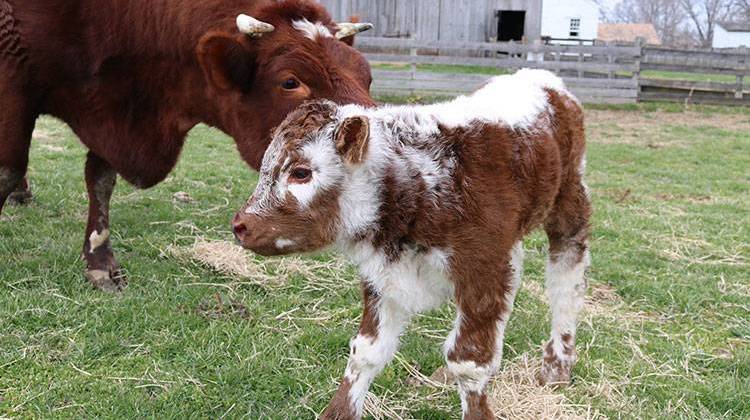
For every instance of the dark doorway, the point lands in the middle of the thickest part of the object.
(510, 25)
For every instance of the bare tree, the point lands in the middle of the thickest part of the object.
(666, 15)
(741, 10)
(704, 14)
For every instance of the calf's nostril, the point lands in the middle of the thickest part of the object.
(239, 229)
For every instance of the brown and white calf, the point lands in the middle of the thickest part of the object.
(432, 202)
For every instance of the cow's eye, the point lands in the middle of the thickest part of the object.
(301, 175)
(290, 84)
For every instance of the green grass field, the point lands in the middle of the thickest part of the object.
(665, 334)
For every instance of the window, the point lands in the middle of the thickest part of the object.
(575, 27)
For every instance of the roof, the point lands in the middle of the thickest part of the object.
(628, 32)
(735, 26)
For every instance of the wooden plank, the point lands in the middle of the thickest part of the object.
(682, 68)
(690, 85)
(506, 47)
(593, 67)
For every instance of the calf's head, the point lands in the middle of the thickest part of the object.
(311, 158)
(287, 53)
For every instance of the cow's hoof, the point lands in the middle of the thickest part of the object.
(111, 281)
(20, 198)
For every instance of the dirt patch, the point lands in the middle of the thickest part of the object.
(651, 129)
(218, 308)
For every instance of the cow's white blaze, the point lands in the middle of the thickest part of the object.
(312, 30)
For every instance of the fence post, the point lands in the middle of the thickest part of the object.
(741, 60)
(637, 65)
(580, 61)
(610, 60)
(413, 67)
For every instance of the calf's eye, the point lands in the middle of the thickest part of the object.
(290, 84)
(301, 175)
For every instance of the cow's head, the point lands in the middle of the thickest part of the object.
(285, 54)
(313, 158)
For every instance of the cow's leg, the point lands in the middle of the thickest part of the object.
(22, 194)
(102, 270)
(567, 229)
(383, 321)
(474, 348)
(16, 125)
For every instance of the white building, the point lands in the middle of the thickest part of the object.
(731, 35)
(557, 19)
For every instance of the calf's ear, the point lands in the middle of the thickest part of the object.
(352, 138)
(227, 61)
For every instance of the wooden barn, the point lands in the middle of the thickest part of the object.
(473, 20)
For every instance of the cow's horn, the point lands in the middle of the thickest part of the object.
(347, 29)
(253, 27)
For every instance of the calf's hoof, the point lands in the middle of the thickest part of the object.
(555, 373)
(110, 280)
(20, 198)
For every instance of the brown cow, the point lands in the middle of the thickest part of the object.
(132, 77)
(431, 203)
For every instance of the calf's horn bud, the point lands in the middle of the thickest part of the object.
(253, 27)
(347, 29)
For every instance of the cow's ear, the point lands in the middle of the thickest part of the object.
(352, 139)
(227, 61)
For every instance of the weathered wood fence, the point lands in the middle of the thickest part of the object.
(718, 64)
(596, 74)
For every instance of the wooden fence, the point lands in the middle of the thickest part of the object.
(596, 74)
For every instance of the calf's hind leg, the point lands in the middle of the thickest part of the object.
(102, 270)
(567, 229)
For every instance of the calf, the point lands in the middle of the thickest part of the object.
(432, 202)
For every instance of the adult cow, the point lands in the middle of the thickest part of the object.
(132, 77)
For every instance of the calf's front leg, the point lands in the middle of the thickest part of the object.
(484, 296)
(382, 323)
(102, 270)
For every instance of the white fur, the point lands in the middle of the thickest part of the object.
(282, 243)
(517, 100)
(416, 282)
(97, 239)
(566, 289)
(369, 355)
(312, 30)
(326, 167)
(470, 377)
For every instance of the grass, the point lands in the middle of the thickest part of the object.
(666, 333)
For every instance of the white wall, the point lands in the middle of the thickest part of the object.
(556, 15)
(725, 39)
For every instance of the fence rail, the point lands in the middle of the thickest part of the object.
(598, 73)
